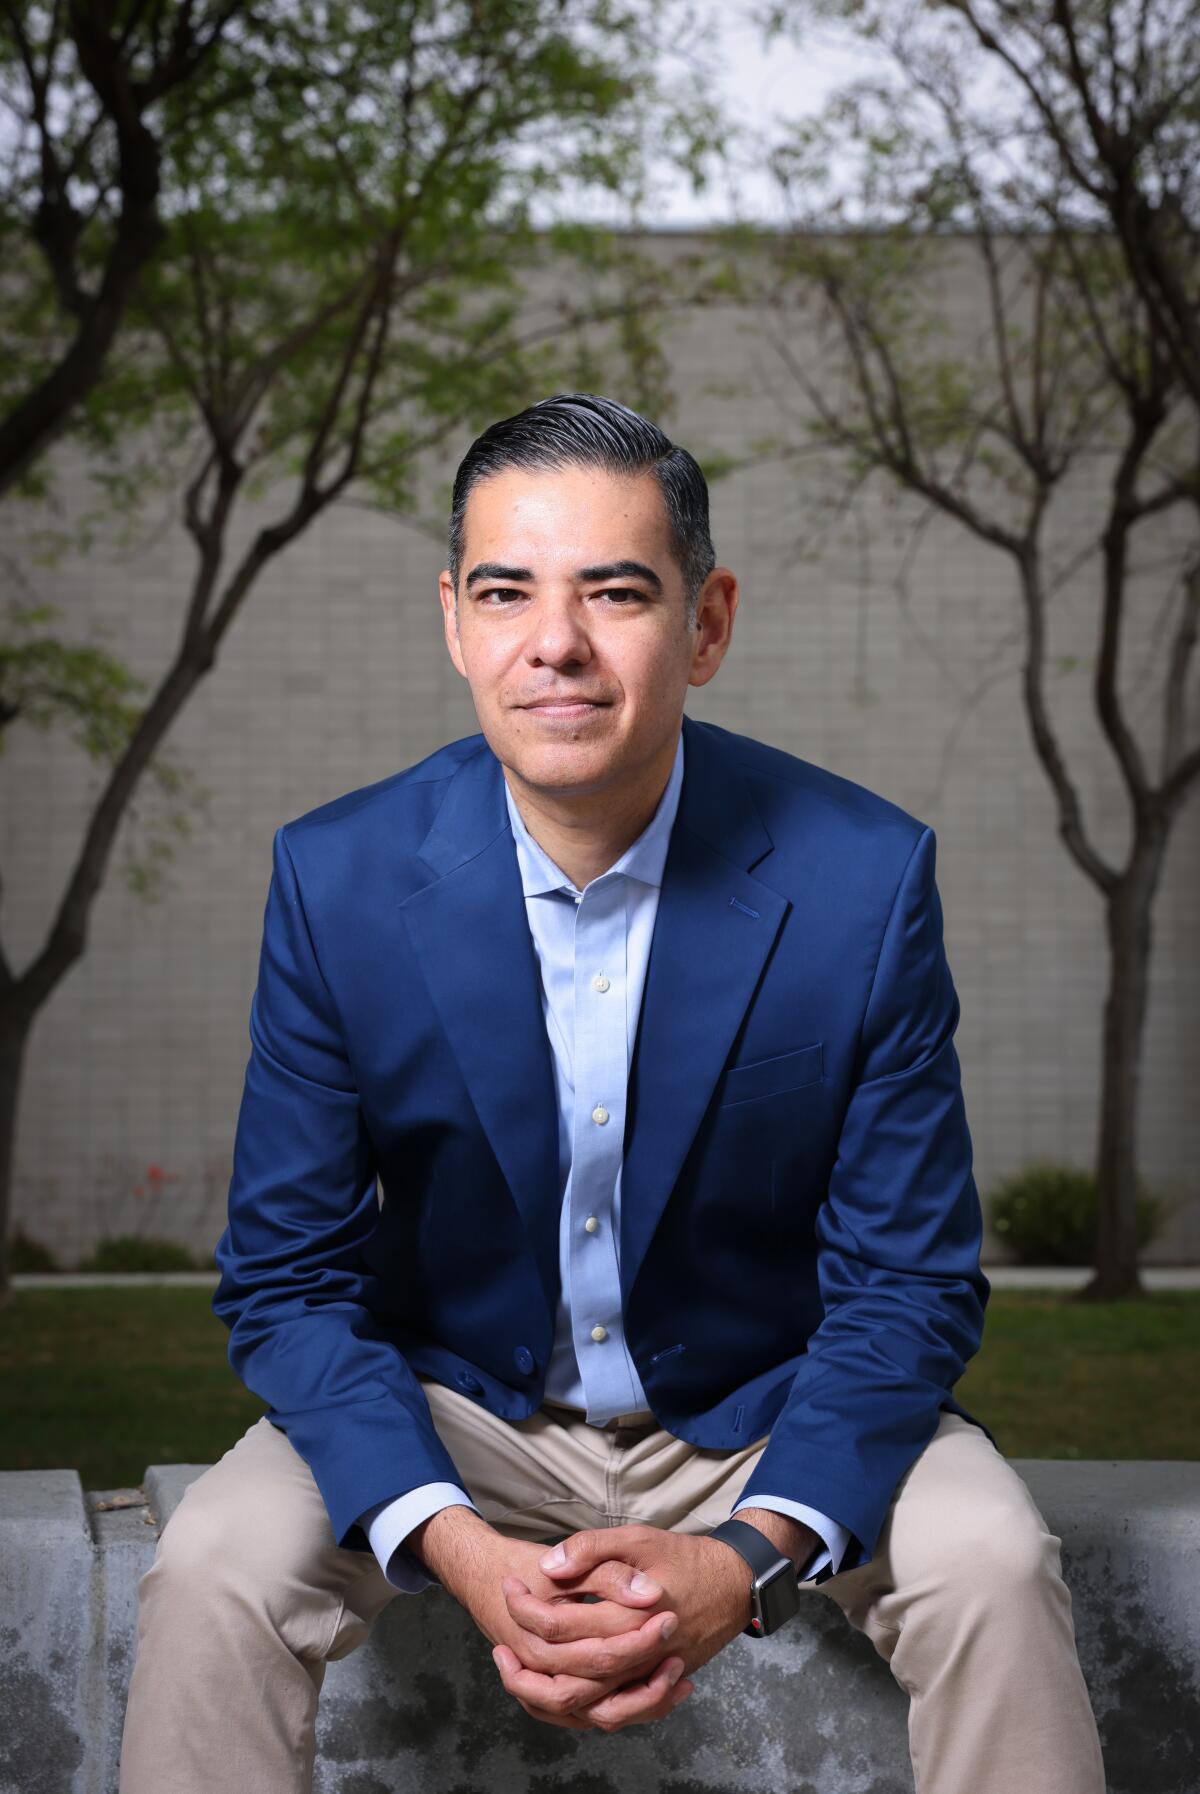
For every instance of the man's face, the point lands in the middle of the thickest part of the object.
(571, 625)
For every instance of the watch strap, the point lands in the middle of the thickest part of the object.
(765, 1560)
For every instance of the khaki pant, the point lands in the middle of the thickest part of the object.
(249, 1597)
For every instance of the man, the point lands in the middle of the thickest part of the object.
(645, 1030)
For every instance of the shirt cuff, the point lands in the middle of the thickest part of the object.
(389, 1523)
(833, 1536)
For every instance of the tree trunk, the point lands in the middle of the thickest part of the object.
(1129, 935)
(15, 1024)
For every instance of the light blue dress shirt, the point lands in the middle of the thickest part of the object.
(592, 947)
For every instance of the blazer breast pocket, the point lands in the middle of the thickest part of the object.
(771, 1077)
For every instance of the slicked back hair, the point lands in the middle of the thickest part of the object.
(585, 430)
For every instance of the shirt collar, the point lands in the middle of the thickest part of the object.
(643, 859)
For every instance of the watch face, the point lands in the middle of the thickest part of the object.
(777, 1597)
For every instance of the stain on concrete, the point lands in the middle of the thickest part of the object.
(581, 1782)
(1146, 1699)
(492, 1719)
(41, 1752)
(378, 1727)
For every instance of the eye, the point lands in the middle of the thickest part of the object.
(620, 595)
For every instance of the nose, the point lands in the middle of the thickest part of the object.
(558, 632)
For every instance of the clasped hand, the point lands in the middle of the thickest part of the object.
(585, 1664)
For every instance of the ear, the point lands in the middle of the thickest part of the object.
(716, 606)
(450, 620)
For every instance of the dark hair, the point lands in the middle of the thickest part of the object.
(583, 429)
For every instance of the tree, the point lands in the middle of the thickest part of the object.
(1114, 90)
(353, 273)
(1056, 146)
(84, 86)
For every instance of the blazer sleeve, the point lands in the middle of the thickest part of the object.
(898, 1243)
(302, 1203)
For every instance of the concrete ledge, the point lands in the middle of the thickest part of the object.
(1048, 1277)
(419, 1706)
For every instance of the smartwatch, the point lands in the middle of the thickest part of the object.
(775, 1590)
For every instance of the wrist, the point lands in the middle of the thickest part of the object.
(791, 1537)
(733, 1576)
(452, 1537)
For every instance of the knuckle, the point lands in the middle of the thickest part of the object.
(534, 1654)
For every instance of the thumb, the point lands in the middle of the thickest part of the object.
(572, 1556)
(587, 1551)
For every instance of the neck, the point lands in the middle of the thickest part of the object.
(588, 833)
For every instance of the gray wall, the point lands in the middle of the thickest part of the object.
(336, 674)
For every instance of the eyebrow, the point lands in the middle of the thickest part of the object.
(609, 570)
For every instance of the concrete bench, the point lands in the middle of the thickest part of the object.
(420, 1707)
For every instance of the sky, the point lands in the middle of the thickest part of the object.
(755, 87)
(758, 88)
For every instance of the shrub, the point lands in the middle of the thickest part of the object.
(1047, 1214)
(138, 1252)
(26, 1255)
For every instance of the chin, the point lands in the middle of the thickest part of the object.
(561, 765)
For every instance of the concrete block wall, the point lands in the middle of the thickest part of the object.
(903, 676)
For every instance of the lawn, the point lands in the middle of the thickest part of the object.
(110, 1380)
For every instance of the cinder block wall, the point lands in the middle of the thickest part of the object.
(336, 674)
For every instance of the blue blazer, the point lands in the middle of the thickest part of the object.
(800, 1227)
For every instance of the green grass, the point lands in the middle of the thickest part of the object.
(109, 1380)
(1059, 1379)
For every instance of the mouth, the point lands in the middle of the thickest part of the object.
(569, 709)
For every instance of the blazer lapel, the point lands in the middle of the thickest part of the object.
(470, 934)
(714, 929)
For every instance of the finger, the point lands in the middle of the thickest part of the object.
(641, 1702)
(619, 1580)
(555, 1695)
(583, 1648)
(582, 1551)
(613, 1577)
(571, 1722)
(561, 1622)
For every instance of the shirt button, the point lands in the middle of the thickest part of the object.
(591, 1224)
(599, 1332)
(599, 982)
(600, 1114)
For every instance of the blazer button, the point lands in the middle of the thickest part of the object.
(525, 1359)
(471, 1384)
